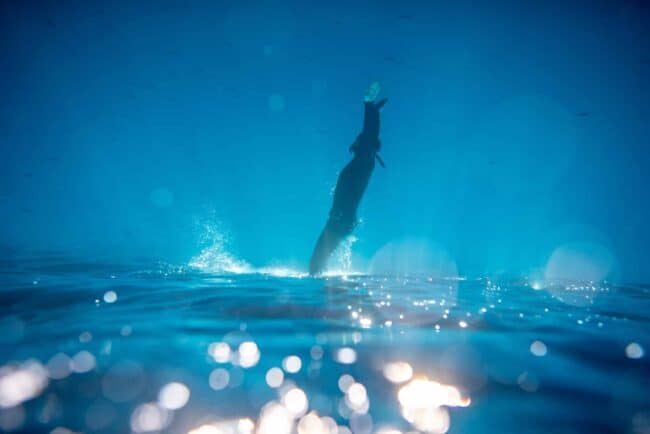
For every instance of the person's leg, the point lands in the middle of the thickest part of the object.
(328, 241)
(371, 118)
(371, 111)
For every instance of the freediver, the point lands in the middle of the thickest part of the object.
(351, 184)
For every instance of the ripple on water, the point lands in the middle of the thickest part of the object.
(153, 347)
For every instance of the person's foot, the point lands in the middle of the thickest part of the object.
(372, 92)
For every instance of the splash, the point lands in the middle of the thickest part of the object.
(279, 271)
(342, 259)
(216, 258)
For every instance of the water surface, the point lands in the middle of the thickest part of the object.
(98, 346)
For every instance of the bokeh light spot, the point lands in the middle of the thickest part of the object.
(219, 351)
(110, 296)
(292, 364)
(249, 354)
(274, 377)
(397, 372)
(345, 355)
(538, 348)
(219, 379)
(173, 396)
(634, 351)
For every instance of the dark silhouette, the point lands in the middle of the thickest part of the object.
(351, 184)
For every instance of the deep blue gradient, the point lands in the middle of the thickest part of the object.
(166, 168)
(512, 128)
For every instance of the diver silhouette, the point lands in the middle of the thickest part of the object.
(351, 184)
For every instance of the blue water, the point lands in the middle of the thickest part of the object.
(100, 340)
(511, 129)
(166, 168)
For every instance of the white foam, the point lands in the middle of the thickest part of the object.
(216, 258)
(279, 271)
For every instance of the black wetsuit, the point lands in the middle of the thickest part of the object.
(350, 186)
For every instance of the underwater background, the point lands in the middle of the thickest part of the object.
(511, 130)
(166, 168)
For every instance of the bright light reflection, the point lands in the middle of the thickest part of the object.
(356, 398)
(110, 296)
(274, 377)
(398, 372)
(173, 396)
(219, 351)
(422, 402)
(330, 425)
(537, 285)
(431, 420)
(282, 272)
(365, 322)
(149, 417)
(275, 419)
(634, 351)
(22, 383)
(249, 354)
(538, 348)
(389, 431)
(292, 364)
(229, 426)
(295, 400)
(424, 393)
(311, 423)
(245, 426)
(345, 355)
(206, 429)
